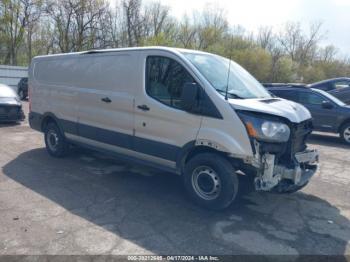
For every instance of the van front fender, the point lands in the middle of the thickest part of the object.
(237, 146)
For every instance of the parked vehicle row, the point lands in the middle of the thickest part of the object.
(196, 114)
(338, 87)
(328, 112)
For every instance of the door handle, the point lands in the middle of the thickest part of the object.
(143, 107)
(106, 100)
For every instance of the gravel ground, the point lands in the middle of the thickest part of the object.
(88, 203)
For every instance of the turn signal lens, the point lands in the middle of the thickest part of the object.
(251, 131)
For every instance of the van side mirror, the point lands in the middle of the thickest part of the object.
(327, 105)
(189, 96)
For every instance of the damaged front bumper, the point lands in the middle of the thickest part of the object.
(280, 178)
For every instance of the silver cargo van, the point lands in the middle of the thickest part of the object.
(196, 114)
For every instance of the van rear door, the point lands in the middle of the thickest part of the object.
(53, 91)
(162, 127)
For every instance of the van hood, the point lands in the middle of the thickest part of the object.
(294, 112)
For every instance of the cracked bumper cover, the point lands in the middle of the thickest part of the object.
(283, 178)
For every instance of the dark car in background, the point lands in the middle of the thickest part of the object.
(338, 87)
(22, 88)
(328, 112)
(269, 85)
(10, 105)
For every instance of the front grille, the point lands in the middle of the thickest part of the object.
(300, 133)
(297, 140)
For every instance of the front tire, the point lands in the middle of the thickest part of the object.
(211, 181)
(345, 133)
(56, 144)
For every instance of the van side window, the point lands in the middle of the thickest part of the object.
(165, 79)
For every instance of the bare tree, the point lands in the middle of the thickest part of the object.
(134, 21)
(62, 15)
(186, 33)
(32, 12)
(33, 27)
(328, 53)
(299, 46)
(15, 17)
(87, 15)
(291, 38)
(265, 37)
(156, 16)
(308, 48)
(211, 27)
(113, 28)
(77, 22)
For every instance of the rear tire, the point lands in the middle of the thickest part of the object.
(56, 144)
(345, 133)
(211, 181)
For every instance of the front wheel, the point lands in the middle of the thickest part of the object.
(56, 144)
(345, 133)
(211, 181)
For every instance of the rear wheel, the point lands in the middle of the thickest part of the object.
(345, 133)
(56, 144)
(211, 181)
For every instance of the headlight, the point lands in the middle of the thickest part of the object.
(264, 129)
(275, 130)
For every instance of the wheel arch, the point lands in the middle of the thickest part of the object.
(48, 118)
(341, 126)
(191, 149)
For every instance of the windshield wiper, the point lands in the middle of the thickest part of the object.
(232, 95)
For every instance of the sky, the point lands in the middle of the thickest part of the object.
(251, 14)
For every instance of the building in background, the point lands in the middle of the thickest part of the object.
(10, 75)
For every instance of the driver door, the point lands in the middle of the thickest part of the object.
(162, 127)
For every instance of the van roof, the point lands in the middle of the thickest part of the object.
(93, 51)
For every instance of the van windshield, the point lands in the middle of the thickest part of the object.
(215, 69)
